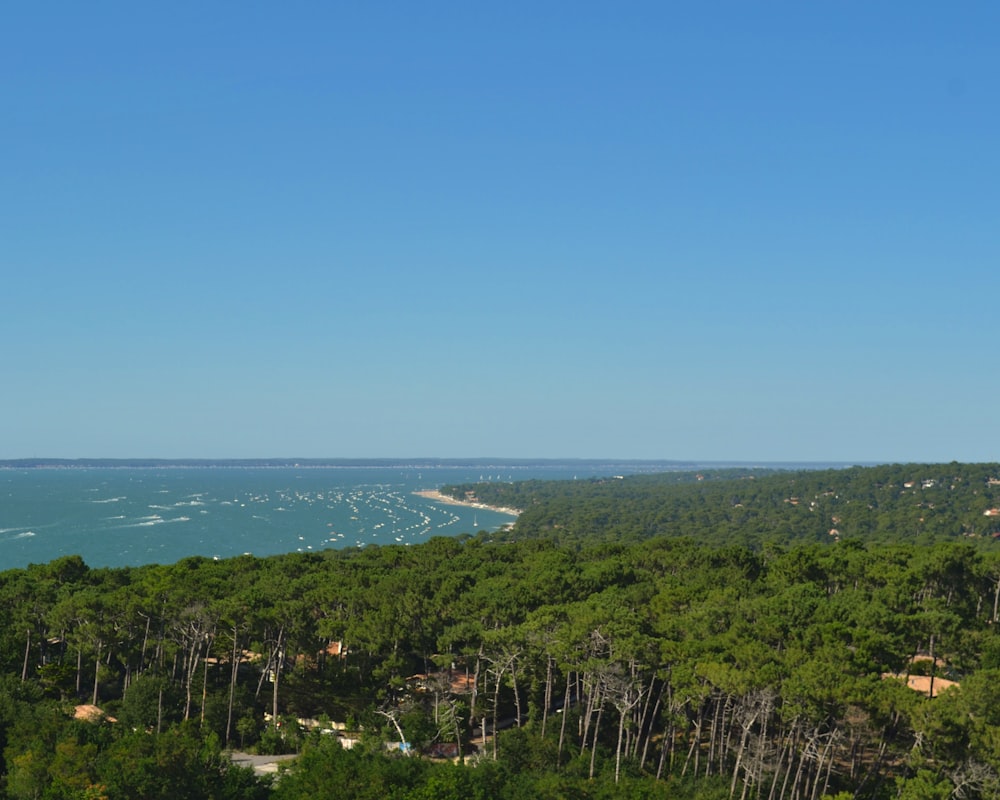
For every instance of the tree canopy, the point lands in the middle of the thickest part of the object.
(678, 635)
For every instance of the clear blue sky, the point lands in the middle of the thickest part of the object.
(732, 231)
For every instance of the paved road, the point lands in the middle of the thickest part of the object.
(262, 765)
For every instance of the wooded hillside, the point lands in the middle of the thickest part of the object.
(909, 502)
(648, 637)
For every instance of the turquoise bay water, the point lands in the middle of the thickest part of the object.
(133, 516)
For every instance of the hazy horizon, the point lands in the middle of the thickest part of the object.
(428, 461)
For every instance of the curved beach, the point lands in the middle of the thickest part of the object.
(434, 494)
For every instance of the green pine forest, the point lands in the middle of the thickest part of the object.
(733, 634)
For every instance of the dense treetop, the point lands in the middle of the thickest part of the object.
(890, 503)
(678, 635)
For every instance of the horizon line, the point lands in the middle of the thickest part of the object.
(413, 460)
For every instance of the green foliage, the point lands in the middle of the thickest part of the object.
(925, 785)
(915, 502)
(355, 773)
(285, 737)
(711, 638)
(150, 699)
(174, 764)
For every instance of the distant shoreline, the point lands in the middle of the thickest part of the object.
(605, 466)
(433, 494)
(611, 465)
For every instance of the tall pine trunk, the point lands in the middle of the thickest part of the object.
(278, 661)
(565, 713)
(27, 650)
(234, 668)
(547, 702)
(97, 671)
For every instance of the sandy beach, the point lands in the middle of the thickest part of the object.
(433, 494)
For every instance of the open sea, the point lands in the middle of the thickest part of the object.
(129, 516)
